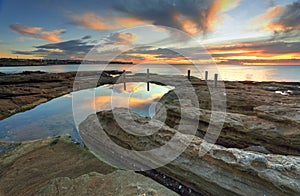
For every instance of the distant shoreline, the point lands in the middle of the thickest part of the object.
(8, 62)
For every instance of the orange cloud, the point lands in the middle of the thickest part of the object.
(255, 57)
(288, 19)
(92, 21)
(36, 32)
(187, 25)
(214, 15)
(52, 35)
(272, 12)
(276, 26)
(96, 22)
(262, 21)
(278, 18)
(223, 5)
(129, 21)
(25, 30)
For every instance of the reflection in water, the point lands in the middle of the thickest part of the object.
(55, 117)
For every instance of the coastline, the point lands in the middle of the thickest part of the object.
(260, 123)
(10, 62)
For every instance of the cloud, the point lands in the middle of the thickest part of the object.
(72, 49)
(129, 21)
(271, 47)
(262, 21)
(51, 35)
(166, 55)
(270, 3)
(163, 52)
(121, 38)
(167, 13)
(215, 12)
(92, 21)
(37, 32)
(268, 52)
(278, 18)
(259, 62)
(25, 30)
(193, 17)
(113, 47)
(40, 53)
(288, 36)
(288, 20)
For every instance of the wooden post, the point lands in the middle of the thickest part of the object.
(206, 75)
(189, 74)
(124, 75)
(216, 80)
(148, 74)
(148, 86)
(148, 83)
(124, 79)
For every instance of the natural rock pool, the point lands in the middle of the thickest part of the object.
(56, 116)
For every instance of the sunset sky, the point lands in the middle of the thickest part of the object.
(247, 32)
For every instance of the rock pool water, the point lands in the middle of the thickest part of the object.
(56, 116)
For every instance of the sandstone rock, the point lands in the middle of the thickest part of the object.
(260, 149)
(251, 118)
(32, 165)
(56, 166)
(240, 131)
(221, 171)
(125, 183)
(286, 114)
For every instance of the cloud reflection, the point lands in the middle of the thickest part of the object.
(135, 97)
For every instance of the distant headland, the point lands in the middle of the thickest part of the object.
(6, 62)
